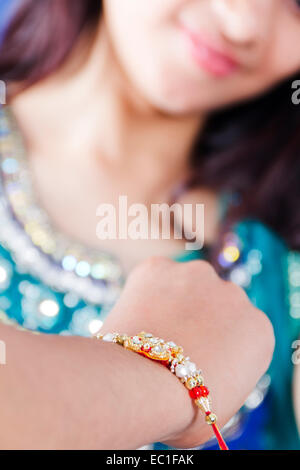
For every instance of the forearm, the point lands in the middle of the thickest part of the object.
(69, 392)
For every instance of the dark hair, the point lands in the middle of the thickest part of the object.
(41, 35)
(250, 150)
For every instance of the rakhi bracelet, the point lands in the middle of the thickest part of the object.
(171, 356)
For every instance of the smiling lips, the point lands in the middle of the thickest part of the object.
(208, 57)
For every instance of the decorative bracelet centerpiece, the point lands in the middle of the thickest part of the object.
(171, 356)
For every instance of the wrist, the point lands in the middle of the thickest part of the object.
(171, 357)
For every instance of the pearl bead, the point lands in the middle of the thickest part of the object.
(109, 337)
(181, 371)
(191, 367)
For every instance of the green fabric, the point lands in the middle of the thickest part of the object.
(269, 292)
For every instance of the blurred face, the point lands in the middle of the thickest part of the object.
(189, 56)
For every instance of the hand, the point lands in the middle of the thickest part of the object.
(219, 329)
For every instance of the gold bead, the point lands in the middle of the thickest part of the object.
(199, 379)
(120, 339)
(211, 418)
(191, 383)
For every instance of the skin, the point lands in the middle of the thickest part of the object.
(75, 393)
(122, 91)
(257, 33)
(117, 144)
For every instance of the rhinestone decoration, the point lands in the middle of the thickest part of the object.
(294, 284)
(154, 348)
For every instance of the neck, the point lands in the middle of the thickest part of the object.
(102, 112)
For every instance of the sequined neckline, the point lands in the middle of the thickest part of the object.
(85, 266)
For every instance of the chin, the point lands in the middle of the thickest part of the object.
(180, 103)
(180, 95)
(171, 98)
